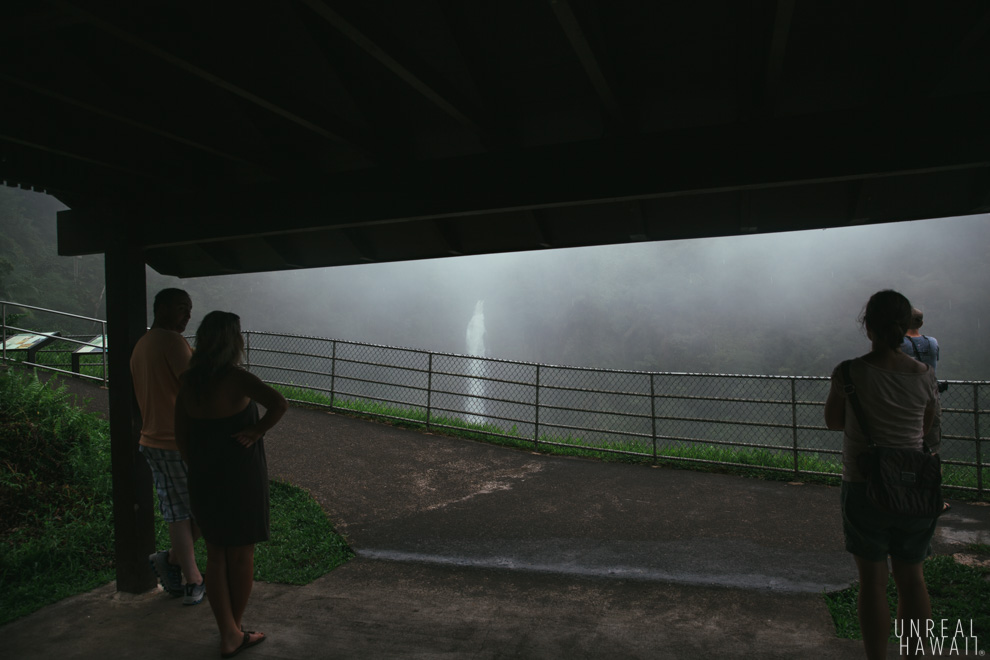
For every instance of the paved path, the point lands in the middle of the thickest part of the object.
(466, 550)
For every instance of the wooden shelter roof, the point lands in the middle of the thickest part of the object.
(228, 137)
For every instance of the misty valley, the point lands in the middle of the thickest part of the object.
(691, 348)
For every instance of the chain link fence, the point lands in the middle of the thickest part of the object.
(772, 423)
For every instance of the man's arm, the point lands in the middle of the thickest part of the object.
(178, 356)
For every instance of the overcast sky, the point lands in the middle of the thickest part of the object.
(809, 286)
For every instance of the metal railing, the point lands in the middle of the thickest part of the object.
(760, 422)
(772, 423)
(80, 355)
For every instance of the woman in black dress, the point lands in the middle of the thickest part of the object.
(220, 436)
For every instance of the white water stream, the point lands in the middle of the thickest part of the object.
(476, 347)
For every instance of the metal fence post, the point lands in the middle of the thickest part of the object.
(794, 424)
(979, 441)
(653, 414)
(247, 350)
(536, 412)
(106, 347)
(333, 371)
(429, 392)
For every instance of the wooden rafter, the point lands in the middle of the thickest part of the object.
(215, 80)
(415, 77)
(121, 119)
(778, 50)
(589, 61)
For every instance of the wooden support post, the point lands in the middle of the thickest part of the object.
(134, 537)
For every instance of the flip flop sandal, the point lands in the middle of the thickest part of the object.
(246, 643)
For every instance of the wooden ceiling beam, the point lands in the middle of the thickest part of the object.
(841, 146)
(544, 232)
(590, 63)
(121, 119)
(225, 257)
(452, 244)
(978, 31)
(807, 150)
(86, 167)
(286, 249)
(416, 76)
(361, 244)
(198, 72)
(778, 50)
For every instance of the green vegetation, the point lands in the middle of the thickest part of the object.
(958, 593)
(56, 530)
(32, 272)
(303, 544)
(55, 508)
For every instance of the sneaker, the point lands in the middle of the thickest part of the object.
(194, 593)
(169, 574)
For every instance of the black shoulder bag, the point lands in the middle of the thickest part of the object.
(906, 482)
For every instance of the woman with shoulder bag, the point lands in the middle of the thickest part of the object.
(897, 401)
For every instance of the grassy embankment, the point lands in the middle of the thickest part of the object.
(958, 593)
(56, 529)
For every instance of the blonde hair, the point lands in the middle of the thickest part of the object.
(219, 347)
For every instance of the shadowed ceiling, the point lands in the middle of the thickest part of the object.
(229, 137)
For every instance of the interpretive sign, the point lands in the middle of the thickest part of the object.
(30, 342)
(94, 345)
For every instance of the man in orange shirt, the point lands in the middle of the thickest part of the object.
(159, 357)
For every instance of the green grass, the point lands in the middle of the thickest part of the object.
(56, 529)
(755, 462)
(303, 545)
(958, 593)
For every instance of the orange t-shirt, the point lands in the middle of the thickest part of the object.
(159, 357)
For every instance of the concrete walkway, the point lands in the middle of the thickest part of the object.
(467, 550)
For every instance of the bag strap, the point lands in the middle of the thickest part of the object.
(917, 354)
(850, 392)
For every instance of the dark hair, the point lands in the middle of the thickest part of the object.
(167, 297)
(887, 315)
(219, 347)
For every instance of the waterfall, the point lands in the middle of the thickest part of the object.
(476, 347)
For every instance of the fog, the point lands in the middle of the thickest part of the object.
(777, 304)
(773, 304)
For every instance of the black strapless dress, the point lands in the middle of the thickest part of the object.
(228, 483)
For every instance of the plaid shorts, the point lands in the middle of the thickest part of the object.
(170, 476)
